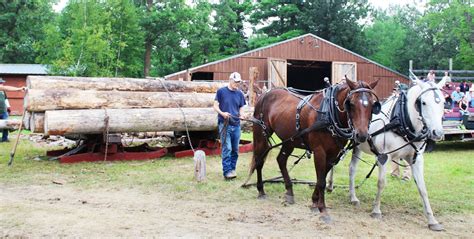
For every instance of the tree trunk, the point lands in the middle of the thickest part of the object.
(52, 99)
(9, 124)
(37, 122)
(120, 84)
(63, 122)
(148, 43)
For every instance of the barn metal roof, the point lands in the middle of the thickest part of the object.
(282, 42)
(23, 69)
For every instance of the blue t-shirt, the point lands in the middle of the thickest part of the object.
(230, 101)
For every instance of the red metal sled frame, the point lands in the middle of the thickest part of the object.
(92, 151)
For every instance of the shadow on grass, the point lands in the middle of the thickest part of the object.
(454, 146)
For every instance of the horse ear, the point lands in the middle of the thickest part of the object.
(441, 83)
(351, 84)
(373, 84)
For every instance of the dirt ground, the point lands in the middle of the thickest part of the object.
(65, 211)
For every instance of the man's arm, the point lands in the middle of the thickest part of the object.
(226, 115)
(10, 88)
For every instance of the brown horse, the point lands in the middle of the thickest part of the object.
(276, 112)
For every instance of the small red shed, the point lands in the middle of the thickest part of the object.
(15, 75)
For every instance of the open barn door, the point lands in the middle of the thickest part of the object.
(339, 69)
(277, 75)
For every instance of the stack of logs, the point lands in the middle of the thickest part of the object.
(83, 105)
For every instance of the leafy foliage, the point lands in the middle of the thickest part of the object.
(94, 39)
(111, 38)
(21, 22)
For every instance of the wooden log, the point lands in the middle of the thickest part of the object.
(52, 99)
(9, 124)
(26, 120)
(64, 122)
(120, 84)
(37, 122)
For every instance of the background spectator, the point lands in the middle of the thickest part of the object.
(457, 96)
(471, 96)
(464, 87)
(431, 76)
(447, 80)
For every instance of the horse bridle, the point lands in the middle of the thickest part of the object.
(349, 132)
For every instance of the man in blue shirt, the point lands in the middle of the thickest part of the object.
(457, 95)
(4, 107)
(228, 104)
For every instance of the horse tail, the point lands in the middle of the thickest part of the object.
(260, 143)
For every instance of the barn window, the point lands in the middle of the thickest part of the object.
(202, 76)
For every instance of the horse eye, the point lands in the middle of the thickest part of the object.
(424, 103)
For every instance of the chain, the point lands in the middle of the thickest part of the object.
(106, 134)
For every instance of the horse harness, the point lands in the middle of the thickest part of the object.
(401, 124)
(328, 118)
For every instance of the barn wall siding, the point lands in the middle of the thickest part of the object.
(307, 48)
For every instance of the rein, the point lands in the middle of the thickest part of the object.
(401, 124)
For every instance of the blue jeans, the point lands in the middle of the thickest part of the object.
(5, 131)
(230, 148)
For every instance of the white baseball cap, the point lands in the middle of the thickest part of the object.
(235, 76)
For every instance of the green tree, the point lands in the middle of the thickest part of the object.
(93, 38)
(183, 36)
(452, 26)
(228, 26)
(276, 17)
(335, 20)
(22, 22)
(338, 21)
(387, 38)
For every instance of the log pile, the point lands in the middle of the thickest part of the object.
(9, 124)
(84, 105)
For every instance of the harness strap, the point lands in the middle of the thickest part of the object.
(300, 106)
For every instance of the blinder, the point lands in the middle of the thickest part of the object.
(437, 98)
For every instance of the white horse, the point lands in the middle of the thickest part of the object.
(425, 103)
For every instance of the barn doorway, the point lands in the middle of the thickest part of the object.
(308, 75)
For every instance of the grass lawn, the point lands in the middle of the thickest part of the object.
(449, 174)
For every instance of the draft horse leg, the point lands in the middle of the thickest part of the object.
(282, 163)
(376, 212)
(322, 168)
(261, 150)
(356, 153)
(330, 179)
(417, 169)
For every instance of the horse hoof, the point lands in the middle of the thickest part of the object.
(290, 199)
(325, 218)
(355, 203)
(330, 189)
(436, 227)
(262, 196)
(376, 215)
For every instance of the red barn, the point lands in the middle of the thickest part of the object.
(15, 75)
(301, 62)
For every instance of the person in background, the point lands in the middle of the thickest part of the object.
(457, 96)
(5, 106)
(447, 80)
(431, 76)
(464, 106)
(448, 103)
(228, 104)
(464, 110)
(471, 96)
(464, 87)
